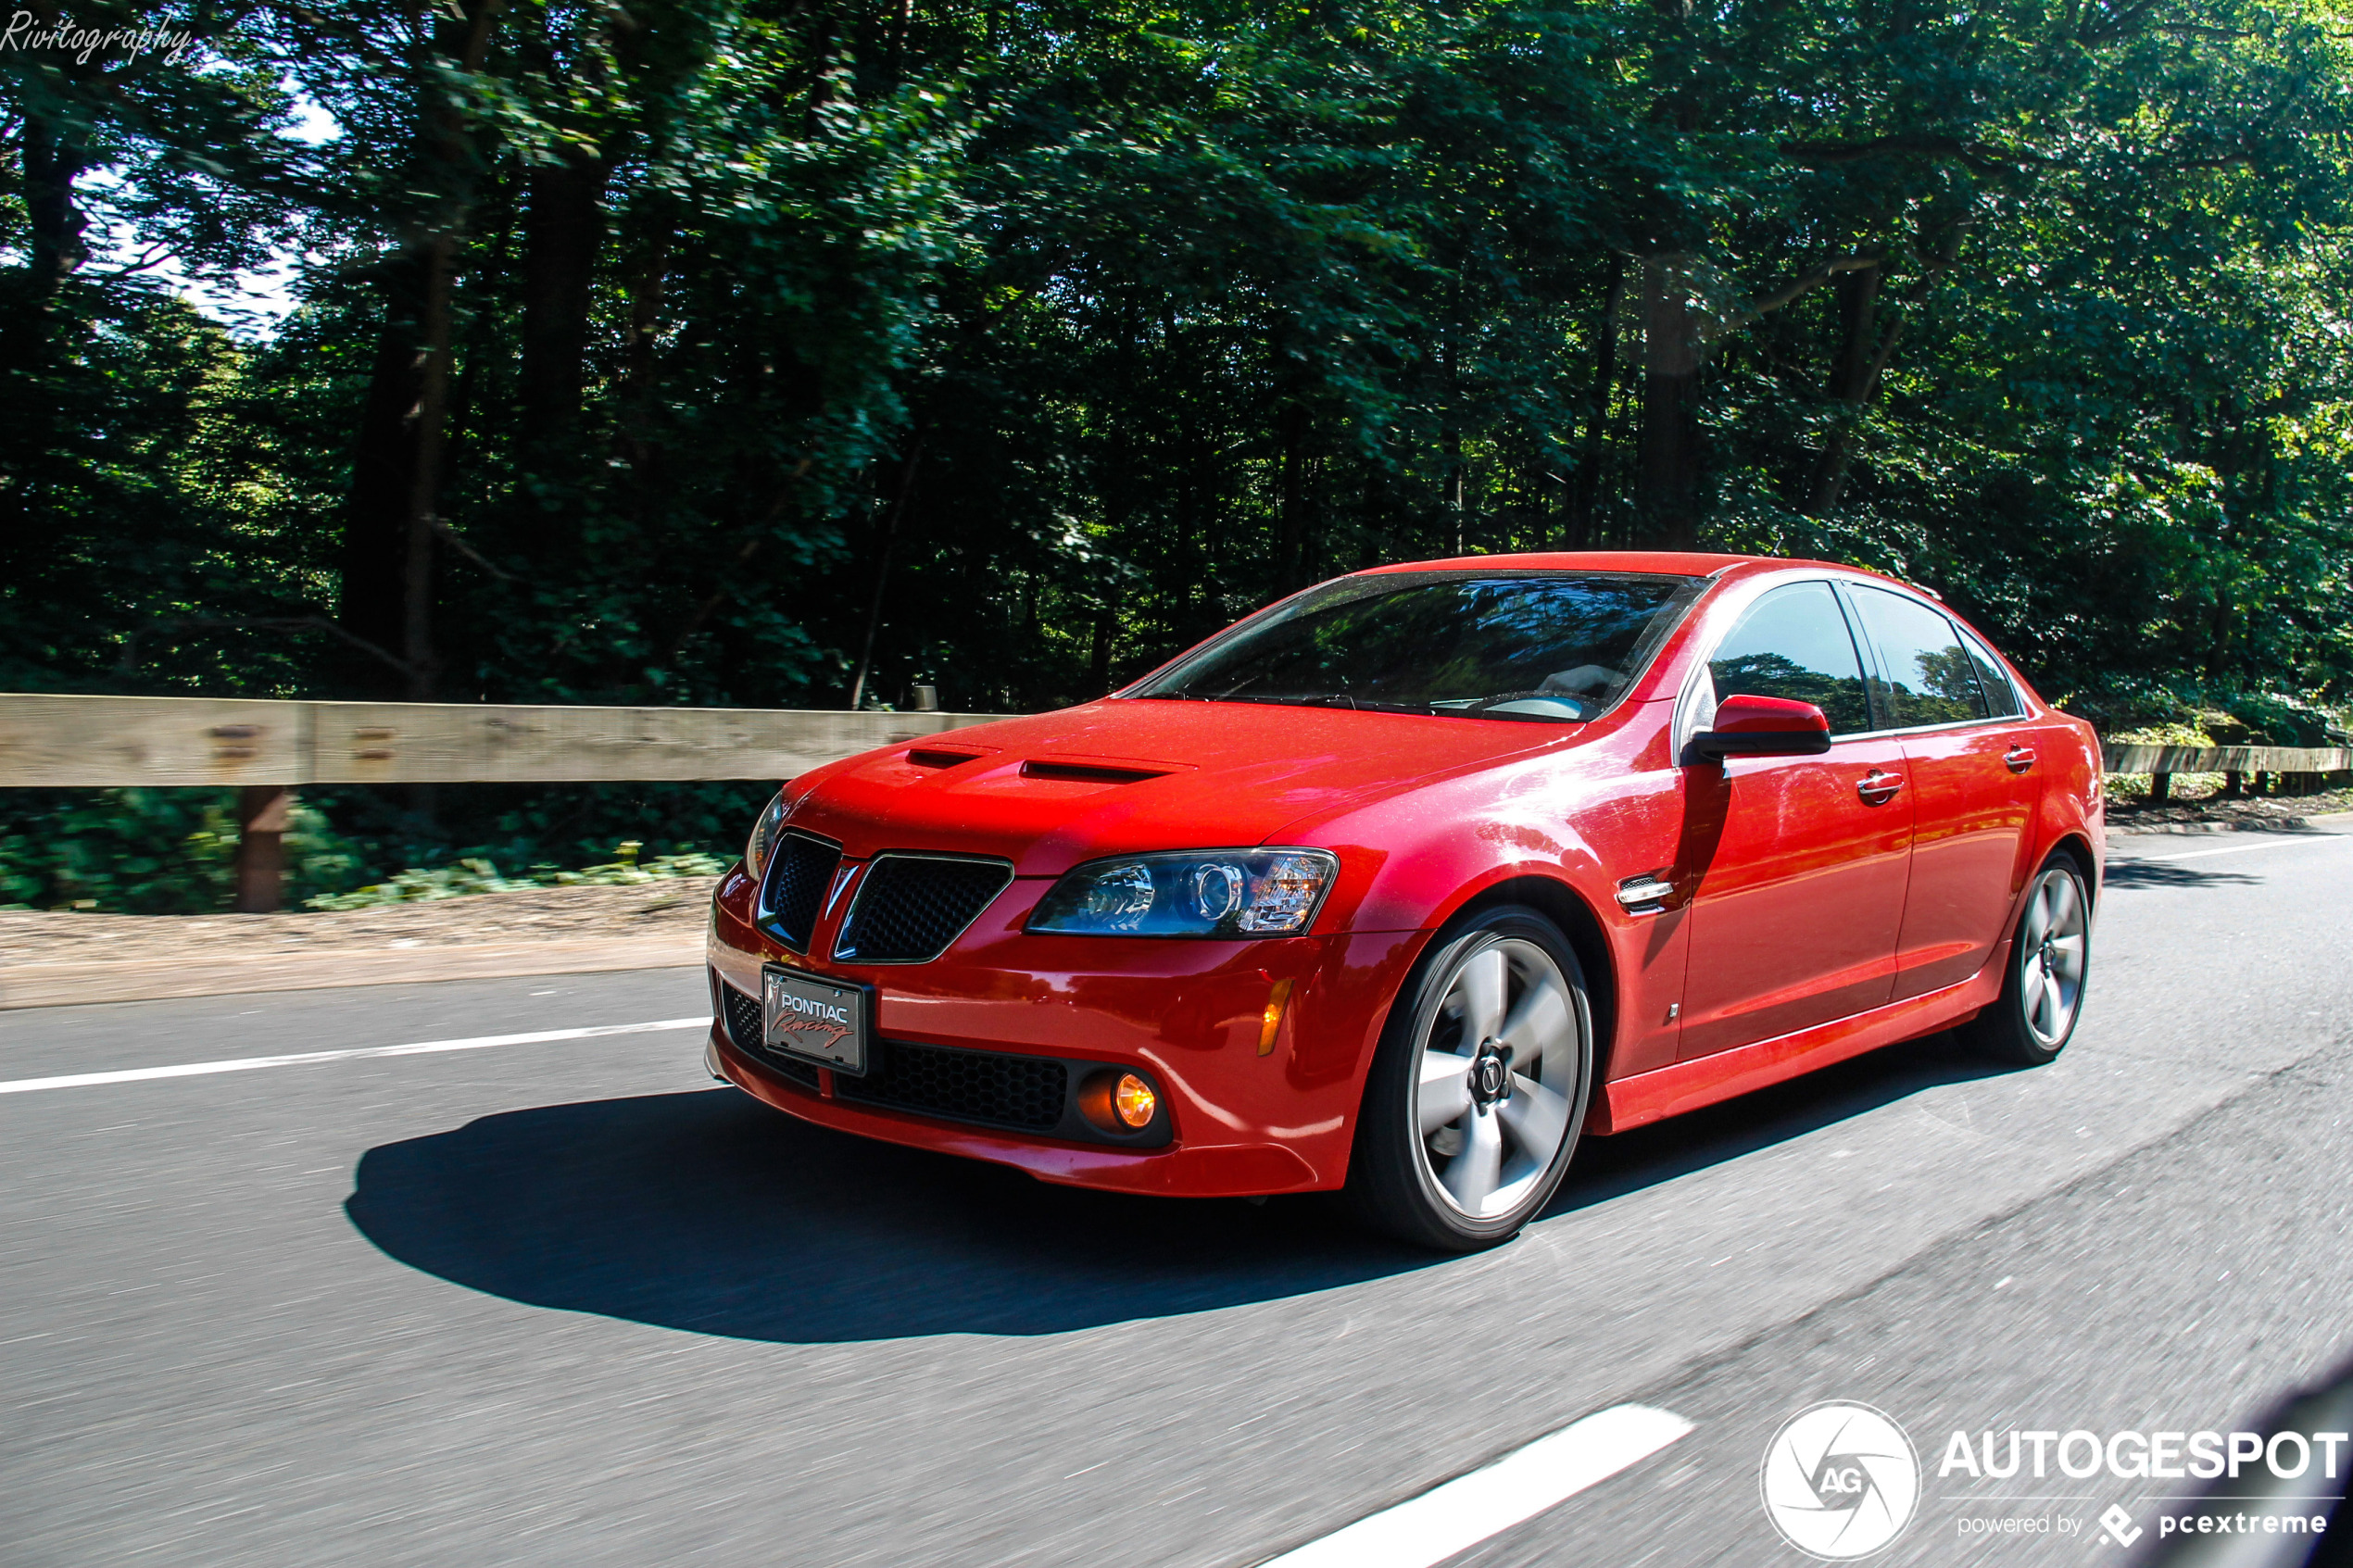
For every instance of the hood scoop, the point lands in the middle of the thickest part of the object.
(1091, 772)
(941, 756)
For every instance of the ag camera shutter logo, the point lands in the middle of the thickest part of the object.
(1841, 1481)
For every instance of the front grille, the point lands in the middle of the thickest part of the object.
(910, 907)
(798, 869)
(990, 1088)
(749, 1030)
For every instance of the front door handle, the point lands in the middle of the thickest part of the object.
(2017, 758)
(1878, 788)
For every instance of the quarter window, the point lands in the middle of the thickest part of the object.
(1926, 676)
(1794, 643)
(2001, 698)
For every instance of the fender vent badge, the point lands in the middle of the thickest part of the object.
(1646, 893)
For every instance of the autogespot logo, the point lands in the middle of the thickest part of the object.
(1841, 1481)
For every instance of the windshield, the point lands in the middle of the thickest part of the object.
(1557, 646)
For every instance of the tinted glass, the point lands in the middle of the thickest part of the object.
(1930, 680)
(2001, 698)
(1552, 648)
(1793, 643)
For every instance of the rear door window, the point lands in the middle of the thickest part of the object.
(1926, 677)
(1794, 643)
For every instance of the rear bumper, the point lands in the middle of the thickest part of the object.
(1243, 1122)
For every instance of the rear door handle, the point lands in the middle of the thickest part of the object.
(2017, 758)
(1878, 788)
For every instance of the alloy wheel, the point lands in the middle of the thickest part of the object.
(2052, 943)
(1495, 1076)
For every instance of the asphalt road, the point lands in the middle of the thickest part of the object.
(568, 1302)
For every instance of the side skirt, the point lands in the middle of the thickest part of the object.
(1687, 1086)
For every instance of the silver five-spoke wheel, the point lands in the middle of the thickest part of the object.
(2053, 942)
(1472, 1109)
(1495, 1070)
(2042, 995)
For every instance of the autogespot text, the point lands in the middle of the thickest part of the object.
(2134, 1456)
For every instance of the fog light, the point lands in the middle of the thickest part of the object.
(1133, 1102)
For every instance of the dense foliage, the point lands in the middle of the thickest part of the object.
(747, 351)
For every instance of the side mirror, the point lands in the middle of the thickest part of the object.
(1761, 726)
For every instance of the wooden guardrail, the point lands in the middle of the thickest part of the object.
(266, 749)
(104, 741)
(100, 742)
(2168, 759)
(2233, 762)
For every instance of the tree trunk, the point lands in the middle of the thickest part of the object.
(52, 162)
(640, 370)
(390, 522)
(432, 424)
(1294, 525)
(1853, 378)
(1099, 656)
(1865, 349)
(1670, 407)
(1585, 485)
(384, 464)
(564, 230)
(882, 567)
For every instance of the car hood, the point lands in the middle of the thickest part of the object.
(1122, 776)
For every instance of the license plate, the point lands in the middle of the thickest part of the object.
(816, 1020)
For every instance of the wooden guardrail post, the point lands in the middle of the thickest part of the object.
(262, 813)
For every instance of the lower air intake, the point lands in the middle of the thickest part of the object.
(747, 1030)
(993, 1088)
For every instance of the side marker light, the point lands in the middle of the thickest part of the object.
(1272, 1020)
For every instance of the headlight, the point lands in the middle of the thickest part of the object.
(1194, 893)
(763, 836)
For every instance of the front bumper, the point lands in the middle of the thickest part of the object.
(1191, 1013)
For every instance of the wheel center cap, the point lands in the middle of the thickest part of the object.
(1491, 1074)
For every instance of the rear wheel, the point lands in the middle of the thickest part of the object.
(2042, 995)
(1476, 1098)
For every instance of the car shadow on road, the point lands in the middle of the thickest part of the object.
(1612, 1167)
(710, 1212)
(707, 1211)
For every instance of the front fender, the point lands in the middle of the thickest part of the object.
(1580, 820)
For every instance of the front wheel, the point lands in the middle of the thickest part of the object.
(1478, 1089)
(2042, 995)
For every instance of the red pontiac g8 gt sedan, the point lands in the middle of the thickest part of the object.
(1401, 884)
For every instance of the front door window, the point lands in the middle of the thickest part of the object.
(1803, 863)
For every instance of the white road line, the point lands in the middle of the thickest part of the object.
(2300, 840)
(1518, 1487)
(421, 1047)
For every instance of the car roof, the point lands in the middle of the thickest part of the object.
(1682, 563)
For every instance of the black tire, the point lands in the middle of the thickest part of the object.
(2034, 1017)
(1395, 1180)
